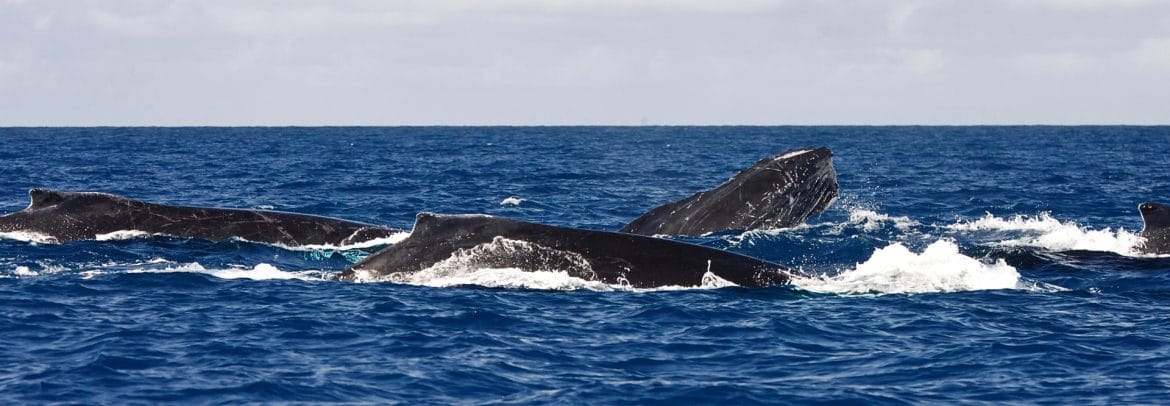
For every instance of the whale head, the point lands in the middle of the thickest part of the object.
(1155, 216)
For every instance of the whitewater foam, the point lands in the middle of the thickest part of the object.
(39, 238)
(377, 242)
(29, 236)
(23, 271)
(870, 220)
(120, 235)
(1052, 234)
(259, 272)
(895, 269)
(515, 278)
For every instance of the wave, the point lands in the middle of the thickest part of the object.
(515, 278)
(259, 272)
(1054, 235)
(28, 236)
(121, 235)
(20, 271)
(895, 269)
(870, 220)
(377, 242)
(860, 221)
(512, 201)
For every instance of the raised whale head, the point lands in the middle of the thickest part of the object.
(777, 192)
(1155, 215)
(1155, 227)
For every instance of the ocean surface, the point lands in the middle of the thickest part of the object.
(977, 264)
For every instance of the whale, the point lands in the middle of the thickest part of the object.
(71, 216)
(1155, 227)
(779, 191)
(450, 243)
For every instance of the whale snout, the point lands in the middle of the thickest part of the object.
(1152, 208)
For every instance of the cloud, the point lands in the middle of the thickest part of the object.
(1085, 4)
(1065, 64)
(312, 20)
(581, 61)
(924, 61)
(1153, 52)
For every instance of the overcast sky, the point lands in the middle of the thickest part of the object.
(525, 62)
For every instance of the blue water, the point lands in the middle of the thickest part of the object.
(960, 264)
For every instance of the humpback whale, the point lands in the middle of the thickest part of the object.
(1155, 227)
(72, 216)
(481, 241)
(778, 191)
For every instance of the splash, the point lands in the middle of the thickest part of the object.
(895, 269)
(29, 236)
(259, 272)
(23, 271)
(1054, 235)
(512, 201)
(870, 220)
(39, 238)
(377, 242)
(121, 235)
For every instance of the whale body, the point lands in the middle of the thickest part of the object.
(481, 241)
(777, 192)
(1155, 227)
(72, 216)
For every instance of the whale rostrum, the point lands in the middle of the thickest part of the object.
(1155, 227)
(777, 192)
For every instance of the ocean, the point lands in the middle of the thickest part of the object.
(960, 264)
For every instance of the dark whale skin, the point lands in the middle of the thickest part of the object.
(615, 258)
(777, 192)
(73, 216)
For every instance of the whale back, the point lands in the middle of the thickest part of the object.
(480, 241)
(71, 216)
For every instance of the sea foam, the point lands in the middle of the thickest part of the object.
(29, 236)
(1048, 233)
(870, 220)
(895, 269)
(259, 272)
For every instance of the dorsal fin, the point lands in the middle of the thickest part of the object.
(424, 220)
(41, 197)
(1156, 216)
(426, 223)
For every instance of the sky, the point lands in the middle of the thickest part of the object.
(578, 62)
